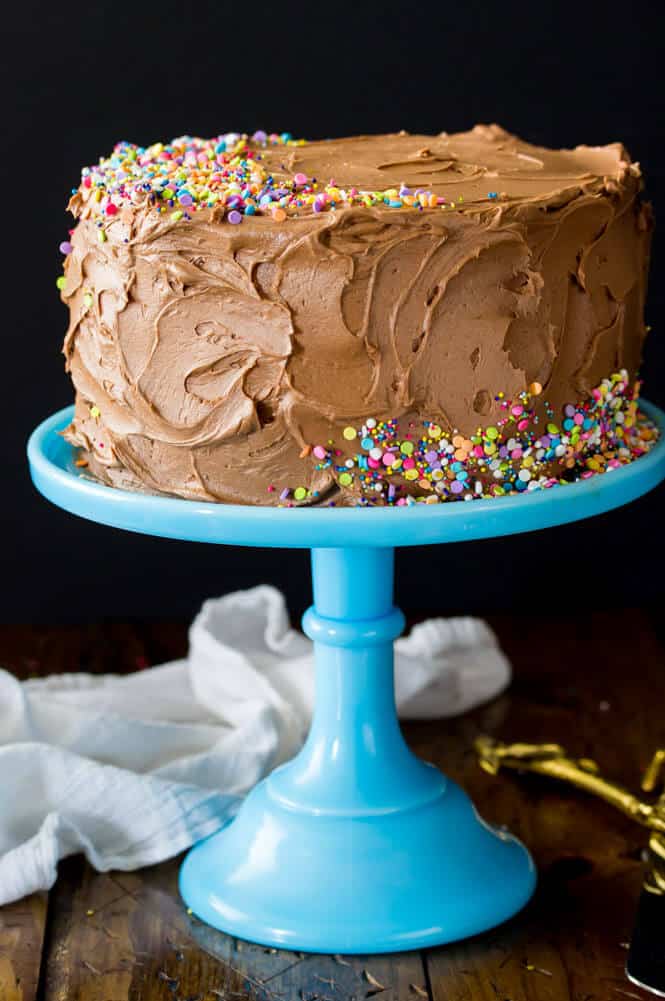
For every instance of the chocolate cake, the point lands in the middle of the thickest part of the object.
(375, 320)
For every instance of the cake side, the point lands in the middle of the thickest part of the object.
(242, 361)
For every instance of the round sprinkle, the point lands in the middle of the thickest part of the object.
(300, 493)
(61, 282)
(370, 422)
(535, 389)
(319, 451)
(349, 433)
(65, 247)
(376, 453)
(406, 448)
(345, 479)
(492, 433)
(231, 170)
(234, 217)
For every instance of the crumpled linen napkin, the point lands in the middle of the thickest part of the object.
(133, 769)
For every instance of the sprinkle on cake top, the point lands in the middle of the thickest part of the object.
(277, 176)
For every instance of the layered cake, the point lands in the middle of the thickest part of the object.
(374, 320)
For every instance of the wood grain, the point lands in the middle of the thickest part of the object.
(22, 927)
(583, 686)
(593, 681)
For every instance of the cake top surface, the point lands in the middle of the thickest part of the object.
(279, 177)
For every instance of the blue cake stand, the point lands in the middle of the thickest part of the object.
(355, 846)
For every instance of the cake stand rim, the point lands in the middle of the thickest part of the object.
(312, 527)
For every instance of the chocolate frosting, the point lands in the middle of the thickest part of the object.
(209, 358)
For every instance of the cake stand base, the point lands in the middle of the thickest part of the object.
(414, 877)
(356, 846)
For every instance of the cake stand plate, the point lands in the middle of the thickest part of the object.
(355, 846)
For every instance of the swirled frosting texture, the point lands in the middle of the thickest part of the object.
(208, 358)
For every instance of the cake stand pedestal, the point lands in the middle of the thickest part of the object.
(356, 845)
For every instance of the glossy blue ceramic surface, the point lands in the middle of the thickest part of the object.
(355, 846)
(54, 475)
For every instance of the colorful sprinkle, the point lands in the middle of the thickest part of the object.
(427, 463)
(231, 171)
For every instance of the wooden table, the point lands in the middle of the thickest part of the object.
(592, 681)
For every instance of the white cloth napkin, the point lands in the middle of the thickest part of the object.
(132, 769)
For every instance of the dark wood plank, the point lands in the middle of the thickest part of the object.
(109, 943)
(22, 927)
(594, 684)
(389, 977)
(111, 647)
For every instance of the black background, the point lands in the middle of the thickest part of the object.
(75, 78)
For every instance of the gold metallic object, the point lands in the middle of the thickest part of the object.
(553, 760)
